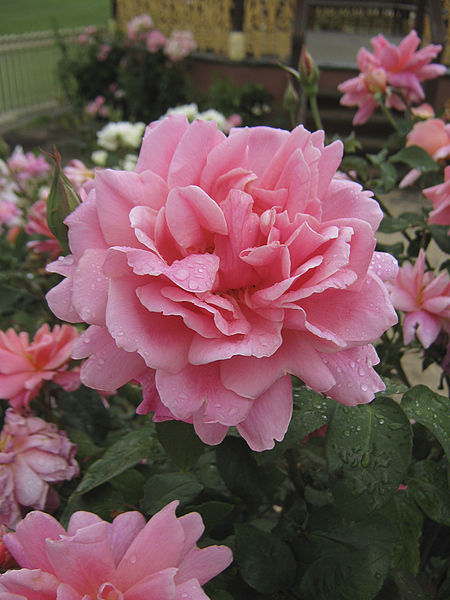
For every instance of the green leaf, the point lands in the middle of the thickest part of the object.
(417, 158)
(128, 451)
(180, 442)
(311, 411)
(368, 449)
(441, 237)
(163, 488)
(408, 587)
(105, 502)
(431, 410)
(428, 485)
(86, 449)
(131, 485)
(84, 410)
(266, 563)
(213, 513)
(388, 176)
(401, 223)
(61, 201)
(239, 470)
(355, 163)
(407, 519)
(346, 560)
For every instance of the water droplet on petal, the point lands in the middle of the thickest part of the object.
(364, 387)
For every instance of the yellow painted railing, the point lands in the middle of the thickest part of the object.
(267, 24)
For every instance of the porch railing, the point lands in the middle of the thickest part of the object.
(28, 78)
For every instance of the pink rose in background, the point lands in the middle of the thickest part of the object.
(424, 111)
(10, 214)
(24, 366)
(78, 173)
(440, 197)
(424, 298)
(127, 559)
(233, 120)
(138, 26)
(37, 225)
(179, 45)
(155, 40)
(219, 267)
(33, 454)
(26, 165)
(103, 52)
(97, 107)
(400, 68)
(433, 135)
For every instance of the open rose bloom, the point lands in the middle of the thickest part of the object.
(425, 298)
(127, 559)
(25, 365)
(402, 68)
(33, 454)
(221, 266)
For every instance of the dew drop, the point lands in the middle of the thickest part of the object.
(364, 387)
(361, 372)
(193, 285)
(339, 370)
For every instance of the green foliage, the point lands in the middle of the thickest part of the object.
(368, 451)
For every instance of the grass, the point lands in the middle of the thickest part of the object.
(22, 16)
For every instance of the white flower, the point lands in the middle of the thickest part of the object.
(129, 162)
(190, 110)
(99, 157)
(122, 134)
(214, 115)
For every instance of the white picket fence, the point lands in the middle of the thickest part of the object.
(28, 80)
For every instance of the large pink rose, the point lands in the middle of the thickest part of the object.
(221, 266)
(127, 559)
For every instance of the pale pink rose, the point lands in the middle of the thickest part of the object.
(103, 52)
(37, 225)
(220, 266)
(433, 135)
(78, 173)
(33, 454)
(424, 111)
(27, 165)
(440, 197)
(234, 120)
(424, 298)
(10, 214)
(24, 366)
(127, 559)
(138, 26)
(97, 107)
(406, 66)
(179, 45)
(155, 40)
(387, 69)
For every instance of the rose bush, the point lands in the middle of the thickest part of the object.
(222, 266)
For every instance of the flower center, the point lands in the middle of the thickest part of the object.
(108, 591)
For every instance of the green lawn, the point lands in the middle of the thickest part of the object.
(21, 16)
